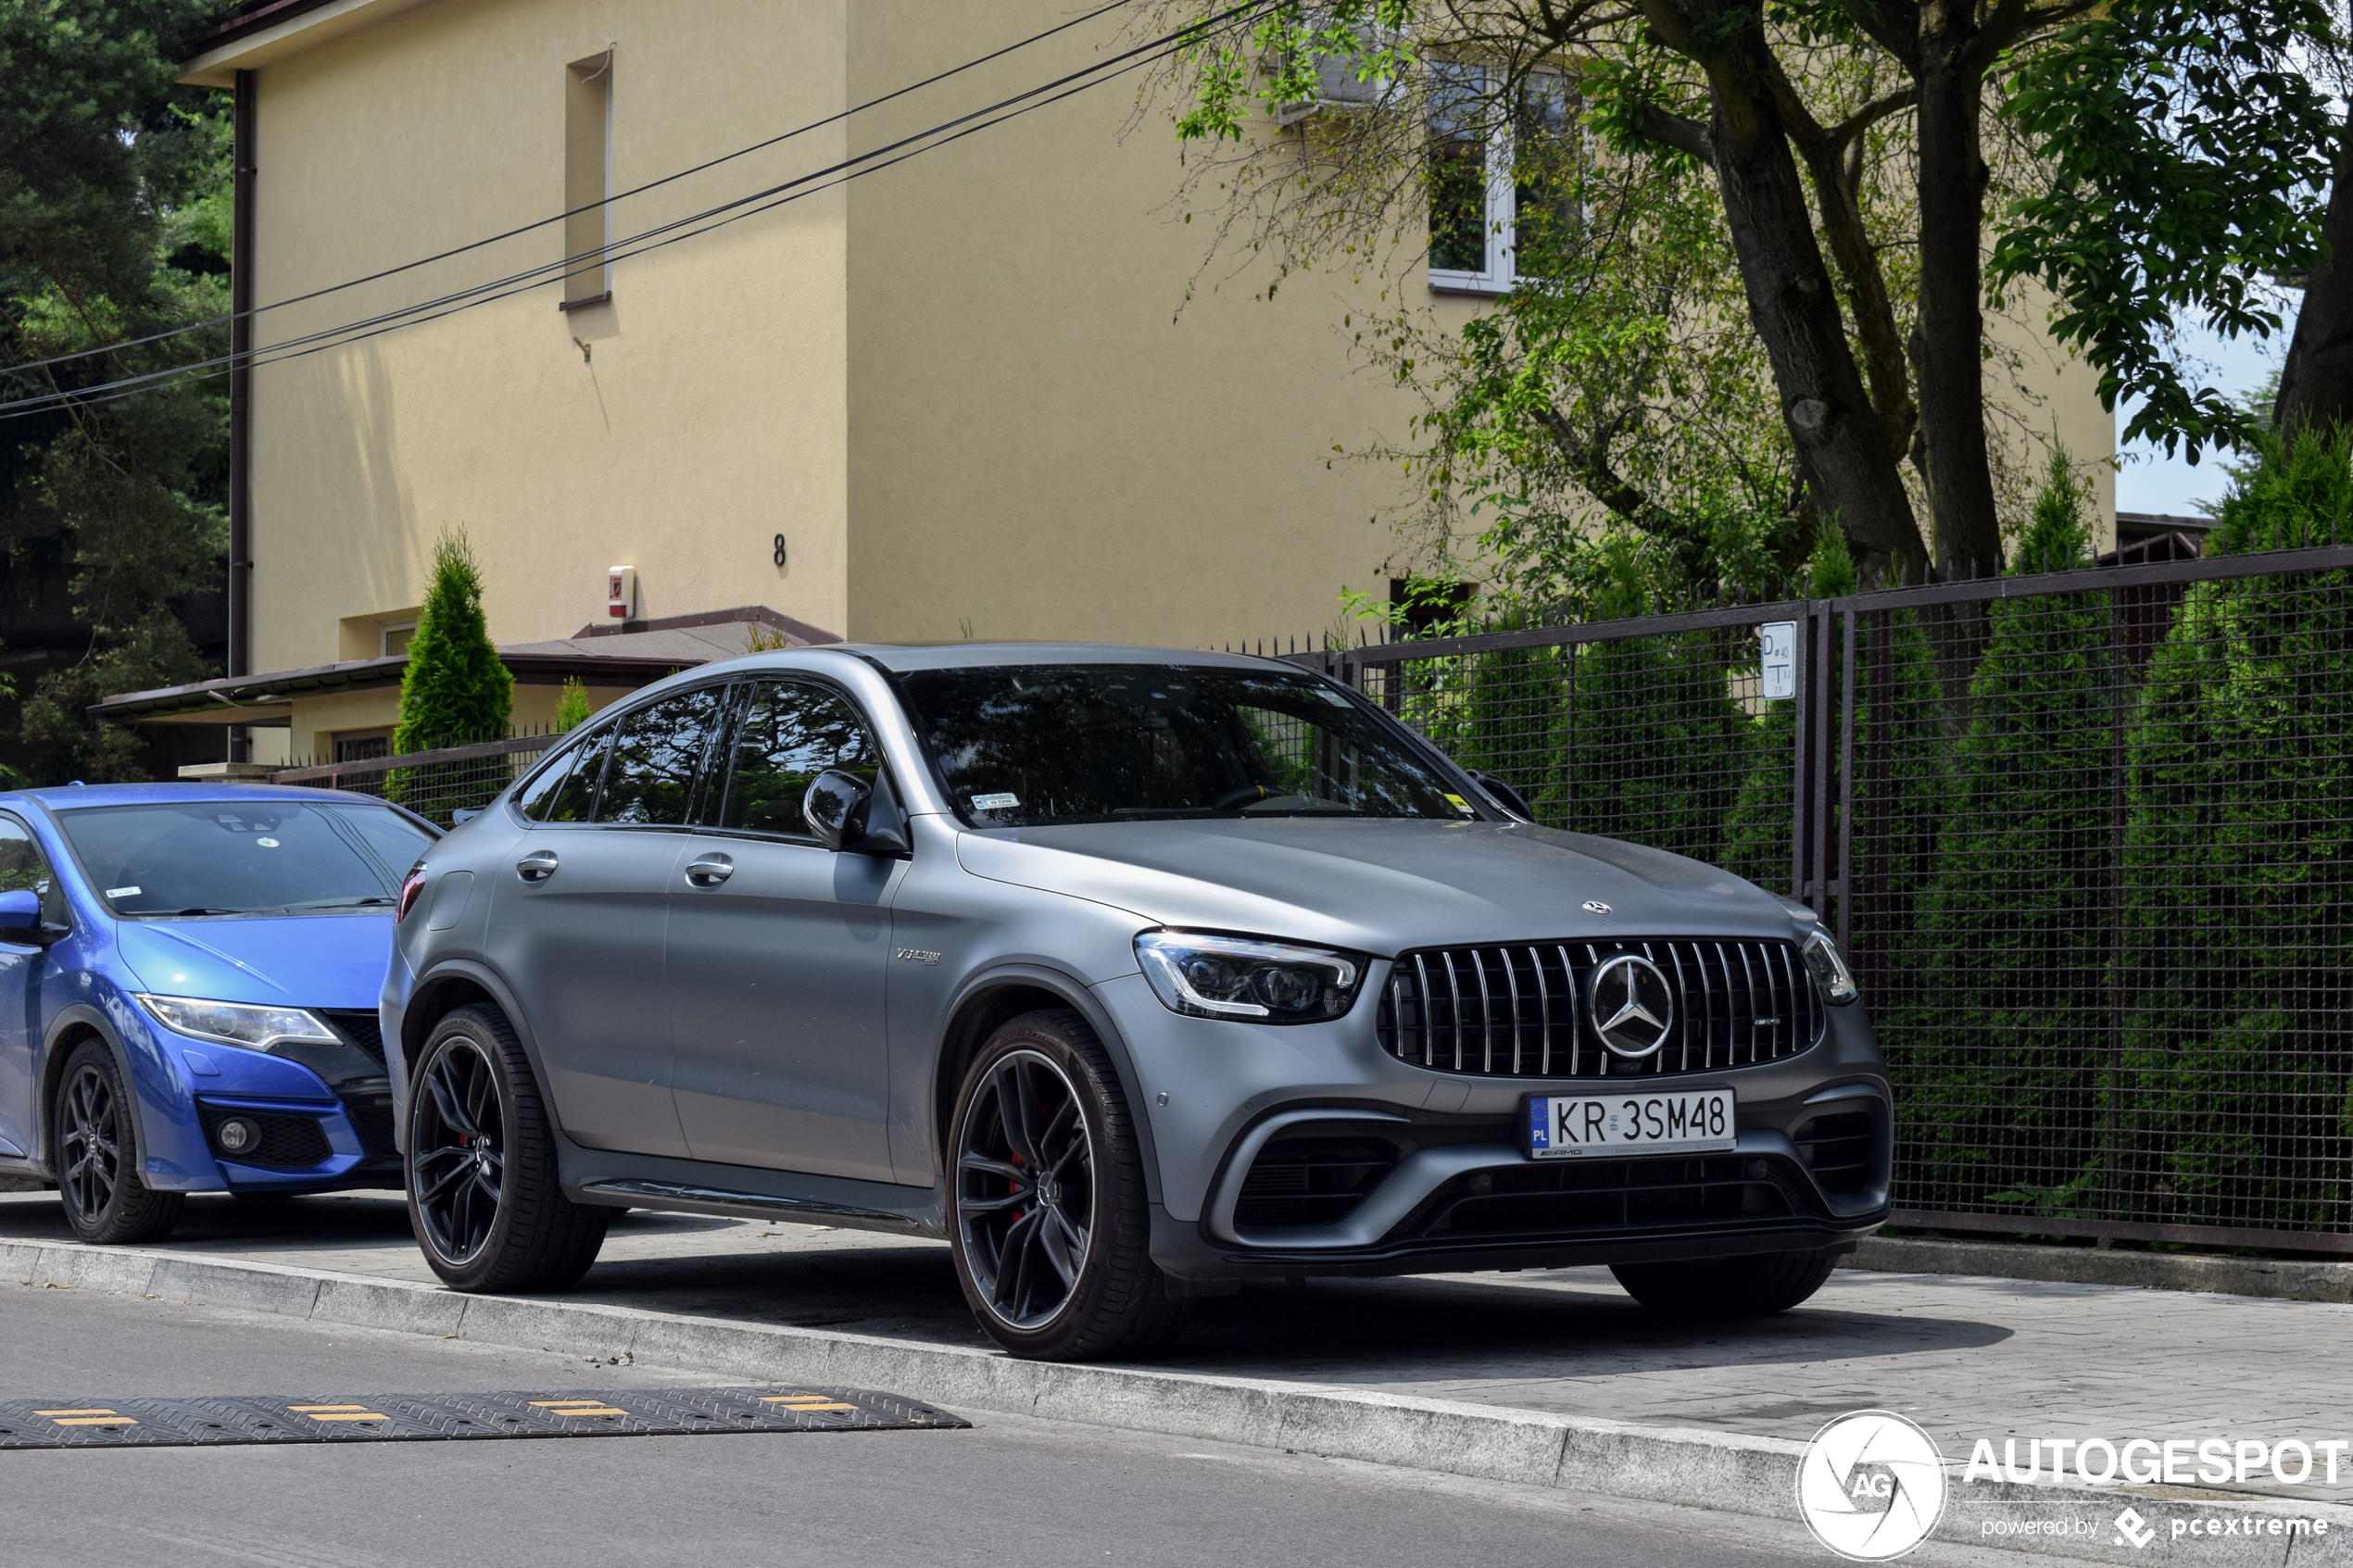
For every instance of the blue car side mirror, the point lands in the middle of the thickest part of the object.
(19, 911)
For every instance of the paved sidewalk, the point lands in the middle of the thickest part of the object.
(1965, 1357)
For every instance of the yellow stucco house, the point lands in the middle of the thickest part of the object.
(959, 396)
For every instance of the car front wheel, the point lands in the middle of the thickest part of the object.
(1752, 1286)
(93, 1149)
(1048, 1218)
(483, 1196)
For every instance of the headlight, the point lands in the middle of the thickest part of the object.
(1829, 971)
(236, 1023)
(1237, 977)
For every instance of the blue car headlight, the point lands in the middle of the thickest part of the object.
(237, 1024)
(1242, 977)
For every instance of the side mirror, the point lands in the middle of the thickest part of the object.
(20, 915)
(1505, 796)
(463, 815)
(850, 819)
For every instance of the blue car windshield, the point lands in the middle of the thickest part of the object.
(1037, 745)
(243, 857)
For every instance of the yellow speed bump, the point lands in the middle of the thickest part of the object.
(806, 1401)
(338, 1412)
(577, 1407)
(88, 1417)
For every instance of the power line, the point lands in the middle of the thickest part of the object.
(590, 206)
(659, 236)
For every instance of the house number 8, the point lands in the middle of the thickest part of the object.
(780, 549)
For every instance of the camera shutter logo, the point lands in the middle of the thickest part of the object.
(1631, 1004)
(1871, 1486)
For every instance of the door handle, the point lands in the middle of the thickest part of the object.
(710, 870)
(538, 866)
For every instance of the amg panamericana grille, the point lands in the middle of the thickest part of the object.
(1521, 1009)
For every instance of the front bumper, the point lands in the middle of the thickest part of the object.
(1309, 1150)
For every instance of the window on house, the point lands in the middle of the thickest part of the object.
(589, 180)
(1503, 177)
(397, 635)
(360, 745)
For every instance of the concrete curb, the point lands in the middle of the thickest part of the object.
(2084, 1265)
(1689, 1466)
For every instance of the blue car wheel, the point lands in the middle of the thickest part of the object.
(94, 1150)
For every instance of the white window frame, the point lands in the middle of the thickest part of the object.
(1500, 274)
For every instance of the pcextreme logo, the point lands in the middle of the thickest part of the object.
(1871, 1486)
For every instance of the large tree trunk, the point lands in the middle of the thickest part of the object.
(1949, 342)
(1795, 308)
(2316, 384)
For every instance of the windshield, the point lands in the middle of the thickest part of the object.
(243, 857)
(1042, 744)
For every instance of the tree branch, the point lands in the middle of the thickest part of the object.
(1893, 25)
(2014, 20)
(1851, 128)
(1685, 135)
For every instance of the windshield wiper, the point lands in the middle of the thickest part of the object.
(340, 903)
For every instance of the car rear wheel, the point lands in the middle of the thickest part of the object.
(93, 1149)
(484, 1197)
(1048, 1218)
(1754, 1286)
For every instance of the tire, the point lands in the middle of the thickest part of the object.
(1059, 1269)
(1756, 1286)
(485, 1201)
(93, 1149)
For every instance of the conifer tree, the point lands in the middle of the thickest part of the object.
(455, 689)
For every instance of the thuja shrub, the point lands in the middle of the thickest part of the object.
(2001, 1010)
(1650, 742)
(2239, 865)
(454, 688)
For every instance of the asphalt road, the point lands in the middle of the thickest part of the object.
(1008, 1490)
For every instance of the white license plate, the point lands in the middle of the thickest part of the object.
(1565, 1126)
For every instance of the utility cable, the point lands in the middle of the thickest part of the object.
(615, 198)
(663, 234)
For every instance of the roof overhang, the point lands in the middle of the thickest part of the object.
(268, 700)
(276, 29)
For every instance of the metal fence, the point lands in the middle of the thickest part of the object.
(2087, 835)
(432, 783)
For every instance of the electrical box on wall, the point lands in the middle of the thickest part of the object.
(621, 592)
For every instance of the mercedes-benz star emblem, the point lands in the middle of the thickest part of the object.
(1633, 1009)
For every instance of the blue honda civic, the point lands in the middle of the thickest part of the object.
(188, 986)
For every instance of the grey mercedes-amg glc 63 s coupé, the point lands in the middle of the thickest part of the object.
(1136, 975)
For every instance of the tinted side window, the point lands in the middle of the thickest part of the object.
(23, 869)
(566, 790)
(656, 754)
(789, 733)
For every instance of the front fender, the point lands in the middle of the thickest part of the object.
(173, 1157)
(1075, 994)
(412, 1003)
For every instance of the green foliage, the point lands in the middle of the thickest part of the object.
(2239, 866)
(2192, 147)
(454, 689)
(2009, 999)
(113, 203)
(572, 706)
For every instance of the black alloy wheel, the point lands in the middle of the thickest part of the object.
(1047, 1224)
(1026, 1189)
(458, 1151)
(95, 1152)
(485, 1197)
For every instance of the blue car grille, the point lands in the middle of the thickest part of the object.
(1521, 1010)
